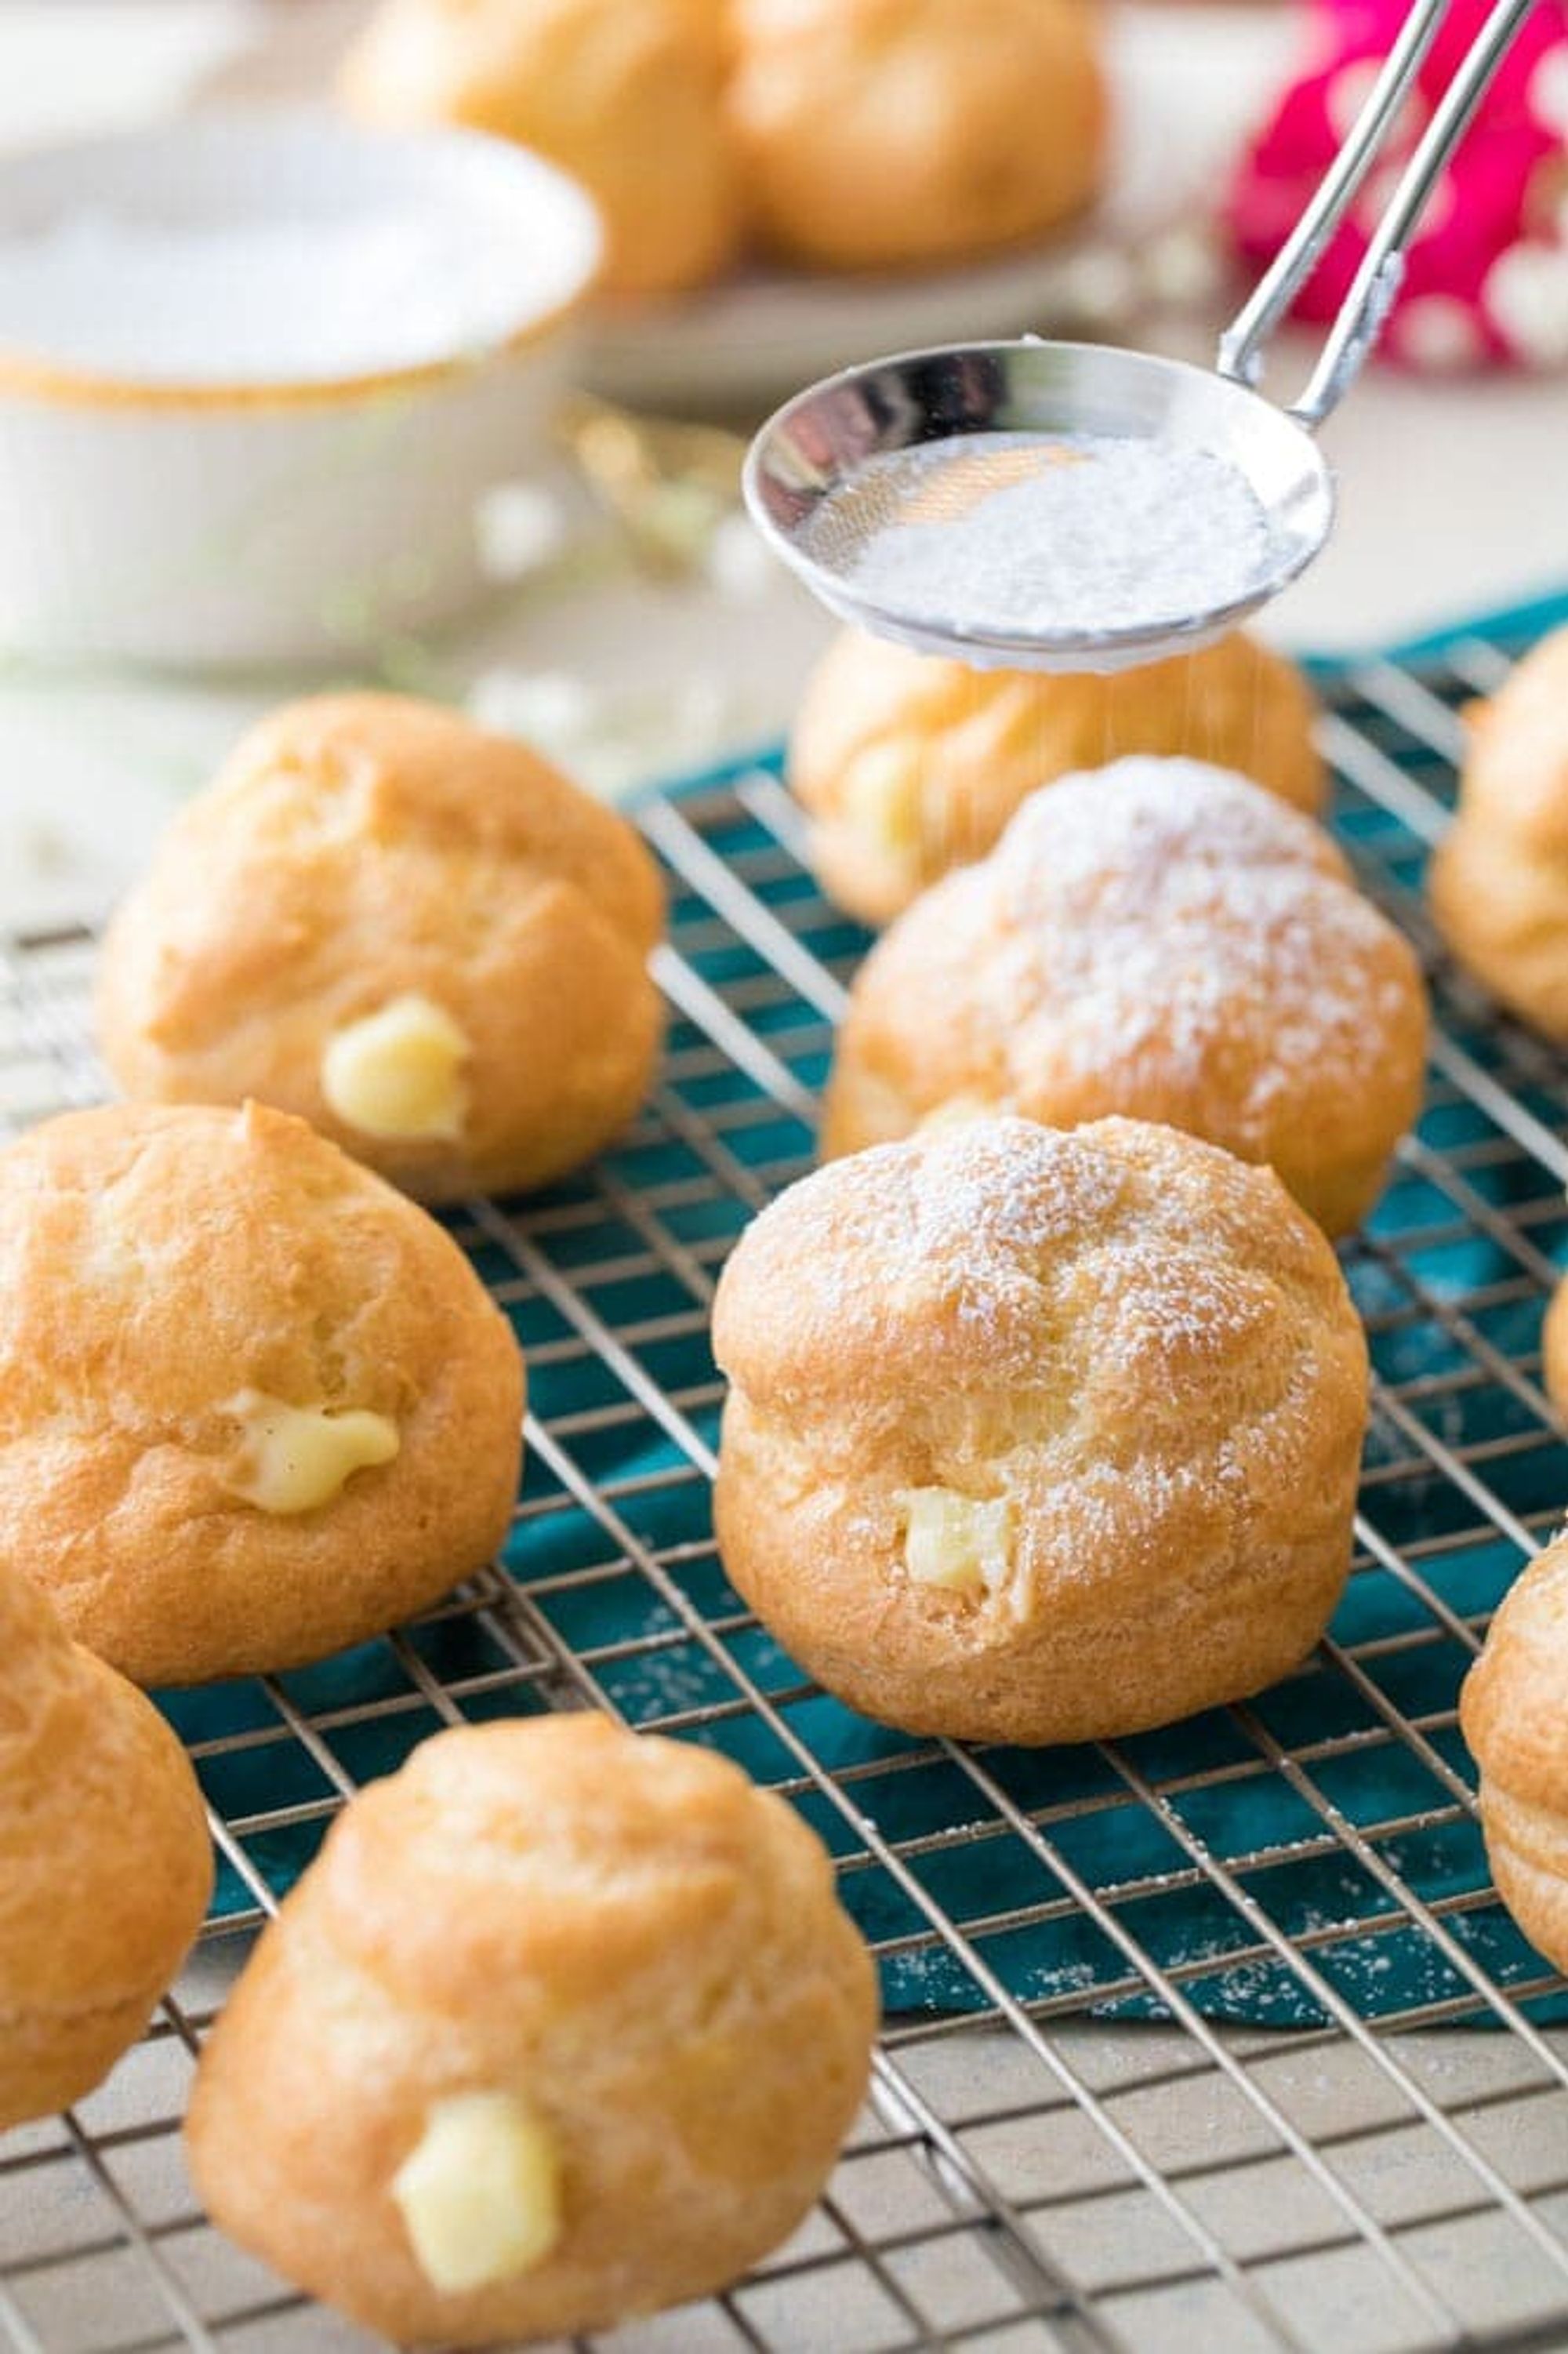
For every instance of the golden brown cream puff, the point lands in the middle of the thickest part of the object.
(907, 764)
(254, 1404)
(1039, 1437)
(626, 95)
(561, 2026)
(1498, 879)
(874, 134)
(417, 935)
(1160, 939)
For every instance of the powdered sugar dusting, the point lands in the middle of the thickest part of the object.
(998, 1194)
(1125, 1332)
(1143, 813)
(1048, 534)
(967, 1216)
(1178, 925)
(1002, 1251)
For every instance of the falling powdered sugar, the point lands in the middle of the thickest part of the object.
(1020, 535)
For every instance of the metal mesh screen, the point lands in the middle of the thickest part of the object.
(1087, 2129)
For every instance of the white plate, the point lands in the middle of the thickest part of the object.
(759, 335)
(1185, 82)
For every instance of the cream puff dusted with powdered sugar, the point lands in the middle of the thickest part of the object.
(881, 134)
(1035, 1437)
(415, 934)
(254, 1404)
(1159, 939)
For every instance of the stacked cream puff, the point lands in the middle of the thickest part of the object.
(1046, 1394)
(833, 134)
(1158, 941)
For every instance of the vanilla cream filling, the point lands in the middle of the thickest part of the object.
(480, 2194)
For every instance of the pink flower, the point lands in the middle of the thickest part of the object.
(1486, 273)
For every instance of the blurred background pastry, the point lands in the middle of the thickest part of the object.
(909, 764)
(624, 94)
(1485, 278)
(862, 134)
(874, 134)
(415, 935)
(1160, 939)
(561, 2026)
(254, 1404)
(1498, 879)
(105, 1863)
(1034, 1437)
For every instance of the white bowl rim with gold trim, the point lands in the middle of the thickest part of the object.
(271, 517)
(202, 165)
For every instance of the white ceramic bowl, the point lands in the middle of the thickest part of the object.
(256, 372)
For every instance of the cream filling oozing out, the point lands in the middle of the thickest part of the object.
(397, 1074)
(295, 1459)
(962, 1544)
(480, 2193)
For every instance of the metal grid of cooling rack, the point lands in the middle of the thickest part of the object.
(1102, 2154)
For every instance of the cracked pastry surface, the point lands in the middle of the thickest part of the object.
(1513, 1712)
(561, 2026)
(417, 935)
(1497, 881)
(908, 765)
(1038, 1437)
(254, 1404)
(1159, 939)
(105, 1864)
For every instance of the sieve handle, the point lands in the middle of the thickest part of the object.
(1360, 321)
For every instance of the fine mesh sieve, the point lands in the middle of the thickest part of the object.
(836, 469)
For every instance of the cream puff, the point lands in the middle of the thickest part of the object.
(1038, 1437)
(105, 1863)
(907, 765)
(626, 95)
(1513, 1712)
(1498, 879)
(1160, 939)
(254, 1404)
(417, 935)
(876, 135)
(1554, 1348)
(561, 2026)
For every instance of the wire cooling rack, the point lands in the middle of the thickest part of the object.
(1089, 2126)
